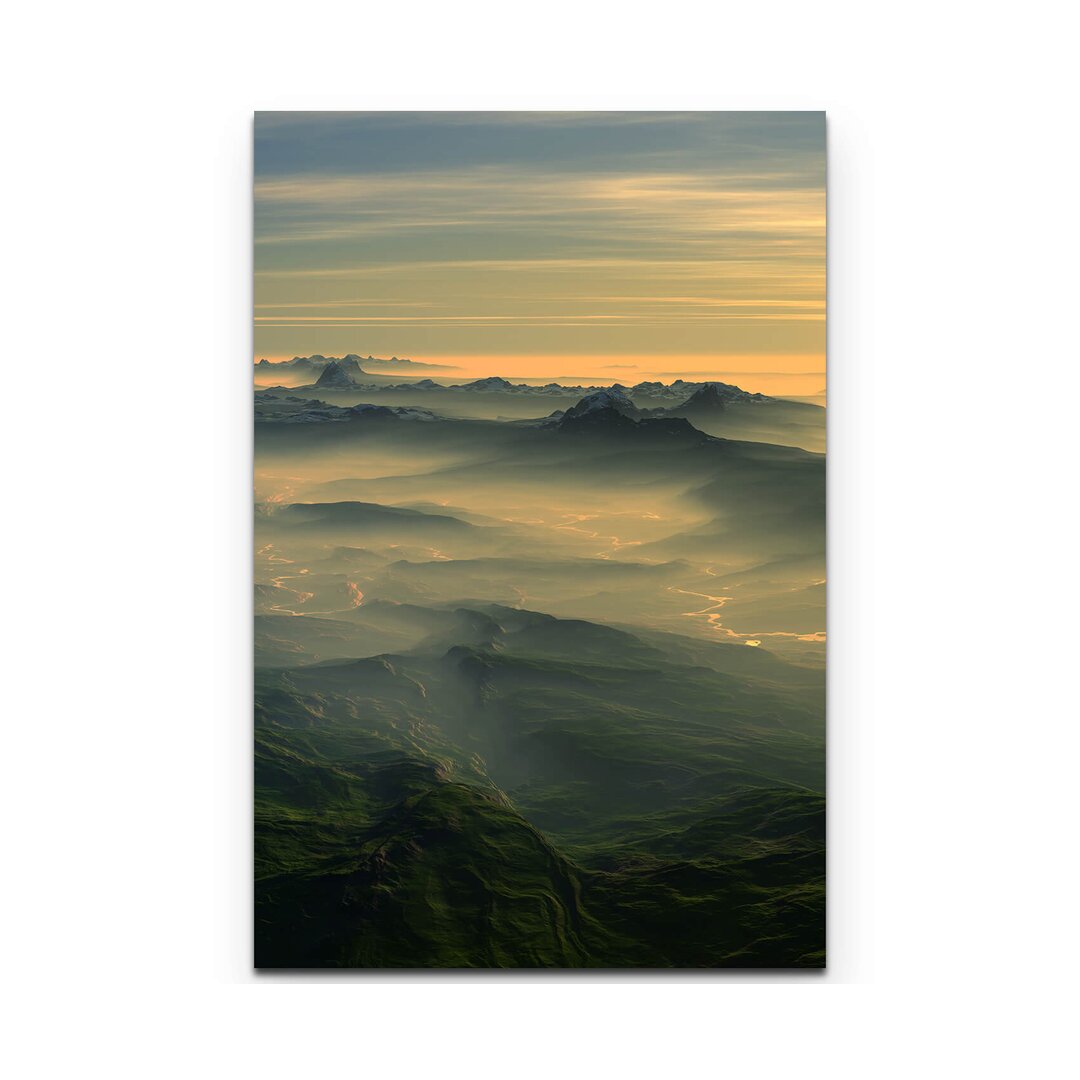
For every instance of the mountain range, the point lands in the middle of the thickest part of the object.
(715, 408)
(539, 675)
(373, 364)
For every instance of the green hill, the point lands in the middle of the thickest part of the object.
(563, 795)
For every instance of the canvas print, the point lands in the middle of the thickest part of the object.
(539, 540)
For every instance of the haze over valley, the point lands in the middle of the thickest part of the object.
(595, 629)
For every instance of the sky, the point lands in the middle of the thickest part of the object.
(608, 246)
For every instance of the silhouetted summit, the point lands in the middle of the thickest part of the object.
(708, 397)
(335, 377)
(614, 399)
(493, 382)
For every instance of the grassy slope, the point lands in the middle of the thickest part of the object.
(511, 806)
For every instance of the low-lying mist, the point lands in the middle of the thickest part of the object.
(537, 691)
(721, 540)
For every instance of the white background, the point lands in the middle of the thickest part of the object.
(953, 603)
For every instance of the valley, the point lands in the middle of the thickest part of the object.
(540, 684)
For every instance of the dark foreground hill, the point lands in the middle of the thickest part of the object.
(549, 793)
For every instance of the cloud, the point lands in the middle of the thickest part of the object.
(695, 232)
(654, 212)
(587, 142)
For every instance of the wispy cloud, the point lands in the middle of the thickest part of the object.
(632, 232)
(654, 211)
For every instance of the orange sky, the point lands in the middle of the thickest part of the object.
(781, 373)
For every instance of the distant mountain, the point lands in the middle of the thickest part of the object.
(493, 383)
(715, 395)
(714, 407)
(352, 362)
(708, 397)
(709, 404)
(646, 395)
(611, 412)
(276, 407)
(614, 400)
(394, 364)
(602, 412)
(335, 377)
(304, 364)
(680, 392)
